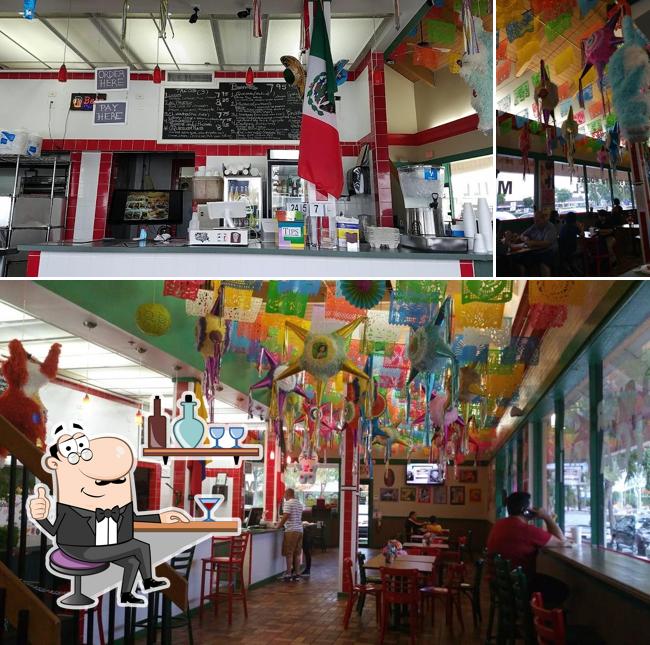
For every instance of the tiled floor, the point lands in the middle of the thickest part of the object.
(308, 612)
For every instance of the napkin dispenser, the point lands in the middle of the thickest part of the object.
(213, 215)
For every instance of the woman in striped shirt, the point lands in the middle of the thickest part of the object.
(292, 544)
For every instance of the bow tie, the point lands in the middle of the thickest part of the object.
(103, 513)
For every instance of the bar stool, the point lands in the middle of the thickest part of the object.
(230, 569)
(75, 569)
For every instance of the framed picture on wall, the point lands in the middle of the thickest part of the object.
(424, 495)
(474, 494)
(407, 494)
(468, 476)
(457, 495)
(439, 494)
(389, 494)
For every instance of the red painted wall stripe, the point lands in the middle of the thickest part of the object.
(466, 268)
(33, 262)
(444, 131)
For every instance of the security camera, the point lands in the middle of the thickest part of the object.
(244, 13)
(195, 15)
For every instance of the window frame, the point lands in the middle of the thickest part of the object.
(631, 309)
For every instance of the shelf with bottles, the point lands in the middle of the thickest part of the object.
(190, 432)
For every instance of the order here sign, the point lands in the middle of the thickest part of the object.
(109, 113)
(111, 78)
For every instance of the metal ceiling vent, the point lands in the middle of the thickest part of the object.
(189, 77)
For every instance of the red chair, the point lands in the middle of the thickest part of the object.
(450, 592)
(358, 592)
(228, 568)
(415, 550)
(549, 623)
(400, 589)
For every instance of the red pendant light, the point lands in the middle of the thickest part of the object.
(62, 76)
(157, 75)
(250, 77)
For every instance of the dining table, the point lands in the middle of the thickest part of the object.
(420, 545)
(422, 563)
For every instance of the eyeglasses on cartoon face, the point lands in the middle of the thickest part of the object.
(75, 449)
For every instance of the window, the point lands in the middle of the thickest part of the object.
(622, 188)
(254, 484)
(626, 444)
(575, 448)
(471, 179)
(325, 487)
(598, 189)
(515, 194)
(569, 191)
(548, 434)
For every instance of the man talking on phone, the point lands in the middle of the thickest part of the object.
(514, 539)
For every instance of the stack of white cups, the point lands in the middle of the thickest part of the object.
(484, 226)
(469, 224)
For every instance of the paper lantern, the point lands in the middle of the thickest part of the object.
(425, 57)
(153, 319)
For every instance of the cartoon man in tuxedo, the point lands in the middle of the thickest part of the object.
(93, 487)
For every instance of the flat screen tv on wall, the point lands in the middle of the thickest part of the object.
(424, 474)
(129, 206)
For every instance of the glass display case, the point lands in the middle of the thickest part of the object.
(240, 187)
(285, 188)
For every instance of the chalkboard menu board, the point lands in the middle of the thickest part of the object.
(234, 111)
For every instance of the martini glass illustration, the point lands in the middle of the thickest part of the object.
(236, 432)
(217, 432)
(208, 503)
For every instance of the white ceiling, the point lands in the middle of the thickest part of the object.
(94, 32)
(80, 360)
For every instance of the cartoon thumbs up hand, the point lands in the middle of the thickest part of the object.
(39, 504)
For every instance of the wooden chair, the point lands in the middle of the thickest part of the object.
(450, 592)
(400, 589)
(357, 592)
(473, 591)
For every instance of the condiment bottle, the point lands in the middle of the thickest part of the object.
(157, 426)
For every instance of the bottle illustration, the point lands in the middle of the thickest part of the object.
(157, 426)
(188, 429)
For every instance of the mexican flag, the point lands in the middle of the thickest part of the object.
(320, 150)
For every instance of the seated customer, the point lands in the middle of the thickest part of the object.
(568, 243)
(514, 539)
(541, 239)
(412, 525)
(607, 224)
(432, 526)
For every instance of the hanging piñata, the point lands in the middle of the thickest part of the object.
(629, 74)
(477, 67)
(597, 49)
